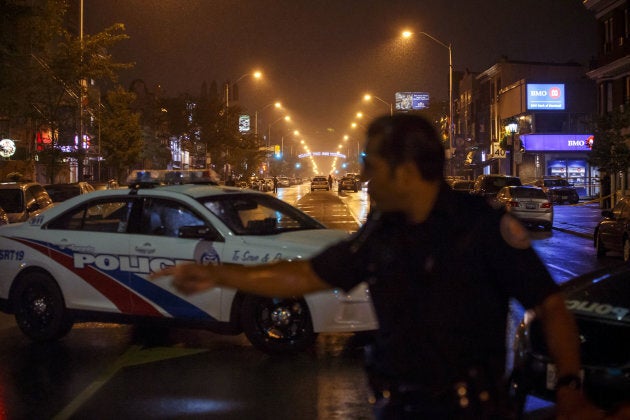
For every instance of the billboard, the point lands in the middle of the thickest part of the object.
(407, 101)
(545, 97)
(557, 142)
(244, 123)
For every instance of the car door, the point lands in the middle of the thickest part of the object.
(611, 230)
(163, 238)
(89, 248)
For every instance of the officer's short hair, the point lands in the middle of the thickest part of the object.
(405, 137)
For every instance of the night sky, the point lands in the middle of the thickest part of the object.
(320, 56)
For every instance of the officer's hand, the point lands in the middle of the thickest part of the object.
(188, 278)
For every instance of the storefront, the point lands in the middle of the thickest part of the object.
(566, 156)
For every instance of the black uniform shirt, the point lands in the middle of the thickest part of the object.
(440, 289)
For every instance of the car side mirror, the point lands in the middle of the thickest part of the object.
(198, 232)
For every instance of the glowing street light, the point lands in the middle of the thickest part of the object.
(277, 105)
(256, 75)
(408, 34)
(368, 97)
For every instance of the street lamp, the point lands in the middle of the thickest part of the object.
(255, 75)
(275, 104)
(285, 118)
(408, 34)
(368, 97)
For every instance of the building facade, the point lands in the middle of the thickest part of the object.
(528, 119)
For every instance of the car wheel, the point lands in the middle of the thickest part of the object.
(626, 250)
(599, 247)
(39, 308)
(547, 227)
(277, 326)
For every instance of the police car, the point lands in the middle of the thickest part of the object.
(600, 302)
(89, 258)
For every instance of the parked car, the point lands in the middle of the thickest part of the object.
(463, 185)
(357, 180)
(283, 182)
(559, 190)
(529, 204)
(489, 185)
(105, 185)
(21, 200)
(600, 302)
(347, 183)
(612, 233)
(319, 183)
(90, 257)
(61, 192)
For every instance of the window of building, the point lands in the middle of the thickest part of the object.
(608, 34)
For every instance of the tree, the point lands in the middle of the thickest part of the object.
(121, 134)
(610, 151)
(44, 78)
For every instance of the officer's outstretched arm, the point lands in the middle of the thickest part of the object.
(281, 279)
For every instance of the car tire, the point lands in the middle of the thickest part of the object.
(39, 308)
(277, 326)
(547, 227)
(600, 251)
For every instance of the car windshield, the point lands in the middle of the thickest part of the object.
(528, 193)
(496, 183)
(11, 200)
(556, 183)
(62, 192)
(252, 214)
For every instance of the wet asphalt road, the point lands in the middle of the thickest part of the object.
(102, 371)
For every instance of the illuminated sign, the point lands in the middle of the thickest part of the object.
(545, 97)
(407, 101)
(244, 124)
(7, 148)
(332, 154)
(557, 142)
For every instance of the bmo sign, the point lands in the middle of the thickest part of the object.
(545, 97)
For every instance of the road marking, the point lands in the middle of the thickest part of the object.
(564, 270)
(135, 355)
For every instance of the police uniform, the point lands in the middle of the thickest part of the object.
(441, 292)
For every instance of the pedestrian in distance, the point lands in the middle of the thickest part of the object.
(275, 184)
(330, 181)
(440, 280)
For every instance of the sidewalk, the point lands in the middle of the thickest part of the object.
(578, 219)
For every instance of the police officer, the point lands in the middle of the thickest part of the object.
(441, 266)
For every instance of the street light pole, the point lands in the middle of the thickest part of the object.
(450, 88)
(367, 97)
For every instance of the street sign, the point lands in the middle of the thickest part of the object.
(497, 152)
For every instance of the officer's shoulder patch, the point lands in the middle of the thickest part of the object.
(514, 233)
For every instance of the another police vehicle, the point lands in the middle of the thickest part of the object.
(89, 258)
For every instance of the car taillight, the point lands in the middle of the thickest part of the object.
(546, 205)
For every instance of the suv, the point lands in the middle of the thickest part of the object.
(558, 190)
(489, 185)
(319, 183)
(21, 200)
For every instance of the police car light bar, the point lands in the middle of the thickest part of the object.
(153, 177)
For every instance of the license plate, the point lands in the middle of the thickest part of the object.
(565, 197)
(552, 376)
(530, 206)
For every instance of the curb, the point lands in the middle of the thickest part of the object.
(574, 232)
